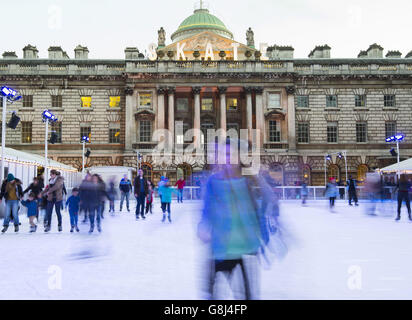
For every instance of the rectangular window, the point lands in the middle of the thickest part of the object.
(57, 101)
(145, 100)
(389, 100)
(205, 127)
(390, 128)
(274, 101)
(114, 101)
(181, 129)
(331, 101)
(85, 131)
(86, 102)
(27, 101)
(26, 132)
(57, 128)
(182, 104)
(114, 135)
(145, 131)
(207, 104)
(303, 132)
(360, 100)
(332, 132)
(274, 132)
(361, 132)
(232, 104)
(302, 101)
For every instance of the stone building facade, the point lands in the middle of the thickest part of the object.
(305, 108)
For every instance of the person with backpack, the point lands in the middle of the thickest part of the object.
(12, 192)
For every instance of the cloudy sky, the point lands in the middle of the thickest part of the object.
(106, 27)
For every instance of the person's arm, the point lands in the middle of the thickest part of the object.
(57, 186)
(28, 188)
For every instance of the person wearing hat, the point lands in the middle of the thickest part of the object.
(12, 192)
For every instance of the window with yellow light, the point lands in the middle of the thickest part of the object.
(145, 100)
(232, 104)
(114, 101)
(86, 102)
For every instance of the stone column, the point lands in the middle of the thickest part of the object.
(291, 118)
(249, 122)
(161, 108)
(222, 93)
(171, 92)
(130, 125)
(196, 121)
(260, 118)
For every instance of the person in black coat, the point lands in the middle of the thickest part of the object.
(140, 192)
(404, 186)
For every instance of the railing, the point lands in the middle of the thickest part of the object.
(294, 193)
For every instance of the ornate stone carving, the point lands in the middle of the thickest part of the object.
(258, 90)
(196, 90)
(161, 90)
(222, 90)
(171, 90)
(248, 90)
(290, 90)
(170, 54)
(128, 91)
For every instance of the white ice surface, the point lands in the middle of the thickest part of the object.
(150, 260)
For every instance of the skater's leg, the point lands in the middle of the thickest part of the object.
(122, 197)
(127, 195)
(49, 211)
(142, 203)
(408, 204)
(58, 212)
(400, 198)
(7, 215)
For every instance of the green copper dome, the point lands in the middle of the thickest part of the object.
(201, 20)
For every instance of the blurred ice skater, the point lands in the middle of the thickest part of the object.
(234, 224)
(403, 187)
(331, 192)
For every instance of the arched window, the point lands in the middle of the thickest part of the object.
(147, 171)
(276, 173)
(334, 172)
(362, 171)
(185, 171)
(307, 174)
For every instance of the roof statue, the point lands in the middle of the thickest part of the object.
(161, 38)
(250, 38)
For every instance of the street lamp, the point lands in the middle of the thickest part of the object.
(11, 96)
(84, 140)
(396, 138)
(48, 117)
(139, 160)
(341, 154)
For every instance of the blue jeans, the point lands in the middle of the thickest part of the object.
(122, 197)
(11, 210)
(58, 206)
(180, 195)
(74, 218)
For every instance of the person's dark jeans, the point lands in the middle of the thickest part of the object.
(404, 196)
(140, 205)
(49, 211)
(94, 213)
(149, 207)
(166, 207)
(353, 196)
(332, 201)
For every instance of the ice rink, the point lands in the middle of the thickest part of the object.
(341, 255)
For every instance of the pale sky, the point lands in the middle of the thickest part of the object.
(107, 27)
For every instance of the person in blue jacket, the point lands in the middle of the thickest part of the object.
(73, 202)
(31, 204)
(166, 191)
(125, 187)
(331, 192)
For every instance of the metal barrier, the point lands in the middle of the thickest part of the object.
(294, 193)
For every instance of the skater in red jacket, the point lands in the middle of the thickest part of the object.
(180, 186)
